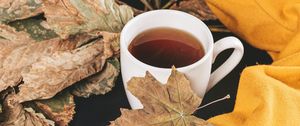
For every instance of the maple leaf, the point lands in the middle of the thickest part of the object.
(67, 17)
(171, 104)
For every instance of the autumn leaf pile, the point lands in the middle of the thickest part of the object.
(53, 50)
(47, 46)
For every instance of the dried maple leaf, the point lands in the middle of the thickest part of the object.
(99, 83)
(11, 10)
(171, 104)
(16, 115)
(52, 73)
(60, 108)
(197, 8)
(67, 17)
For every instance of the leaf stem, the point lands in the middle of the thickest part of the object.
(169, 4)
(157, 4)
(147, 4)
(215, 101)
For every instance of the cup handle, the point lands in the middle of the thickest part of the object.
(230, 63)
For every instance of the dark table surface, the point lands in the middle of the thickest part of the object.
(99, 110)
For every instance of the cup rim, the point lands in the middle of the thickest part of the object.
(149, 67)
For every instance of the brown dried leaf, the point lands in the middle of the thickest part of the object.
(60, 108)
(171, 104)
(14, 59)
(52, 73)
(16, 115)
(101, 82)
(197, 8)
(67, 17)
(11, 10)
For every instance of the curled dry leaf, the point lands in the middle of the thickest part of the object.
(44, 69)
(101, 82)
(11, 10)
(14, 59)
(60, 108)
(52, 73)
(171, 104)
(22, 58)
(197, 8)
(16, 115)
(68, 17)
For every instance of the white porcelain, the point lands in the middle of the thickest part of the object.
(198, 73)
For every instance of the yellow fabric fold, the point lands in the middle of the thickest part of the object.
(268, 95)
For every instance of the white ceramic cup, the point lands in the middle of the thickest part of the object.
(198, 73)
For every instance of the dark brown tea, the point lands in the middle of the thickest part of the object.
(165, 47)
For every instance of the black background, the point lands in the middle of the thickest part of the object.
(99, 110)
